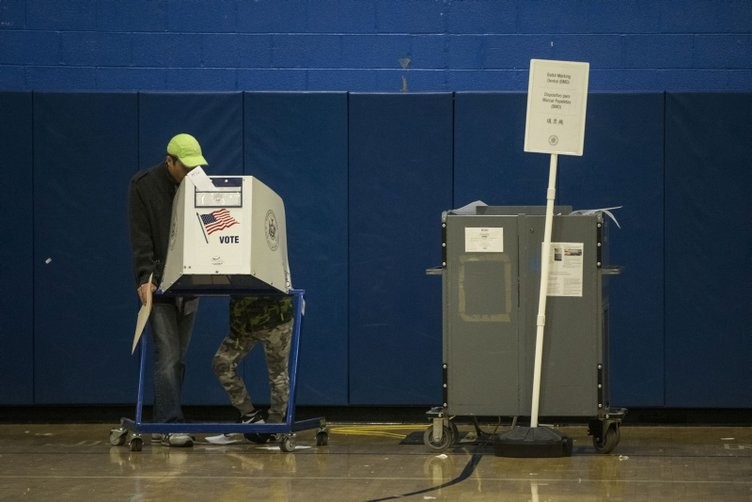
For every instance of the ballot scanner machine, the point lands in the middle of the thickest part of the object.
(491, 265)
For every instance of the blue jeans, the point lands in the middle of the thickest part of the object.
(171, 329)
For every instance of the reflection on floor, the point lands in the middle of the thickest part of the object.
(363, 462)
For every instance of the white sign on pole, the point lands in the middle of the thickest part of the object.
(556, 105)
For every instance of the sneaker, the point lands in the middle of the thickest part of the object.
(231, 438)
(255, 417)
(177, 439)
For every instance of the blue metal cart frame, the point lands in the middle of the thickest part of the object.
(131, 430)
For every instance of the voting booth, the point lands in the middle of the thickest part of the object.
(227, 235)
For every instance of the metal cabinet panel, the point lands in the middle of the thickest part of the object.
(491, 281)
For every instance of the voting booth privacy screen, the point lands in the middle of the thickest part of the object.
(227, 236)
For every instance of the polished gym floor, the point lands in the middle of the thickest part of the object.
(369, 462)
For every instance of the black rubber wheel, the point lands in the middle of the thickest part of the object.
(136, 443)
(322, 438)
(117, 437)
(287, 444)
(608, 442)
(447, 438)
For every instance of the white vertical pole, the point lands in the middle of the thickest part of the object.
(541, 320)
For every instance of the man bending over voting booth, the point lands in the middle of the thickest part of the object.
(228, 237)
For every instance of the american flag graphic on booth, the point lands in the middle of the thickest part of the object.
(217, 220)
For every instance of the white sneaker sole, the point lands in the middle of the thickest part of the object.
(225, 439)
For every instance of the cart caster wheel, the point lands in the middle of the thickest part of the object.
(287, 444)
(447, 438)
(322, 438)
(136, 443)
(117, 436)
(608, 442)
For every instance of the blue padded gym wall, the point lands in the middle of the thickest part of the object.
(708, 250)
(365, 178)
(489, 163)
(16, 206)
(400, 180)
(216, 120)
(297, 144)
(621, 165)
(84, 151)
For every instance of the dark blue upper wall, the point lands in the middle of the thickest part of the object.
(370, 45)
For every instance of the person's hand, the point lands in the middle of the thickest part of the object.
(145, 289)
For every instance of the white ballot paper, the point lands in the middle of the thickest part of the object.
(143, 317)
(199, 178)
(604, 210)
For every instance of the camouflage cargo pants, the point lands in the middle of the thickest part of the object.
(276, 343)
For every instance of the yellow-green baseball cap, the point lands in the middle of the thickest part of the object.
(186, 148)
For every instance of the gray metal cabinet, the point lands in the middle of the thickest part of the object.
(491, 281)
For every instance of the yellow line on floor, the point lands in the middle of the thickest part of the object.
(384, 430)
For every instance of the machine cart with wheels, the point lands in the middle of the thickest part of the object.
(131, 430)
(491, 258)
(227, 237)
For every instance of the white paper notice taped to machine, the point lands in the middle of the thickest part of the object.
(227, 238)
(565, 273)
